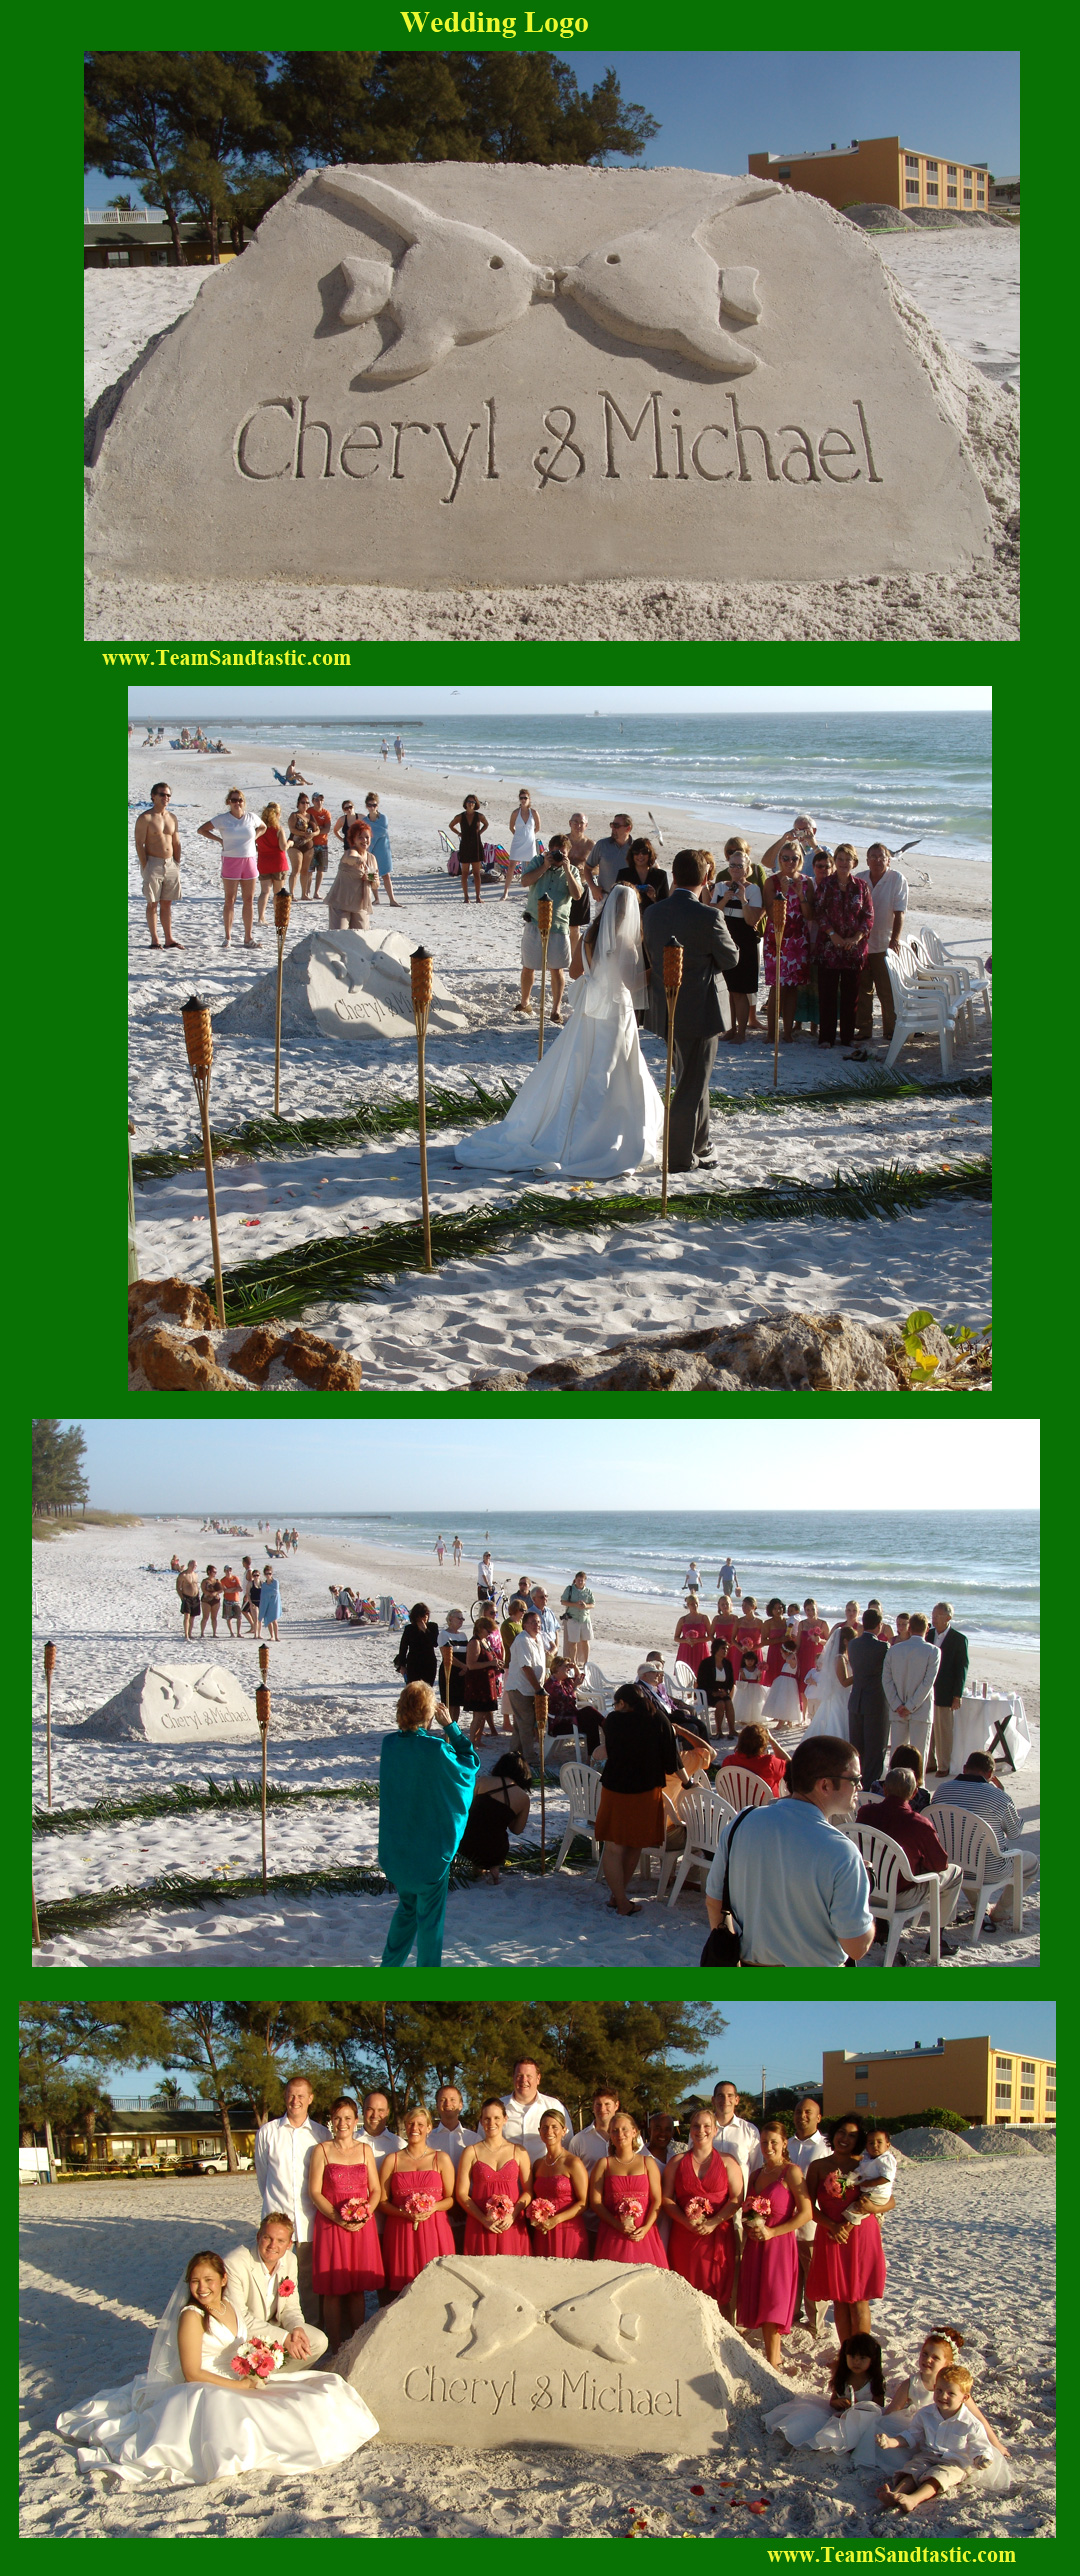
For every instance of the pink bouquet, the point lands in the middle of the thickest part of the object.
(419, 2207)
(501, 2208)
(544, 2209)
(256, 2359)
(354, 2208)
(699, 2208)
(761, 2206)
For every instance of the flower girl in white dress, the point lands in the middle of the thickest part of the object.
(191, 2420)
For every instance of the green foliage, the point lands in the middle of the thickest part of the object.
(57, 1482)
(184, 1800)
(927, 2120)
(356, 1265)
(452, 107)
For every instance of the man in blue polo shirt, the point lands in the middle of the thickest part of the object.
(798, 1889)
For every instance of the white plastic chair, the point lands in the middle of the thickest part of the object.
(987, 1870)
(704, 1815)
(921, 1011)
(582, 1788)
(685, 1679)
(741, 1788)
(945, 954)
(888, 1864)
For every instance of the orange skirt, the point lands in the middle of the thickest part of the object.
(639, 1823)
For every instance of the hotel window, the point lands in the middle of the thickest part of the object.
(861, 2073)
(932, 191)
(1027, 2066)
(1027, 2093)
(911, 188)
(118, 258)
(950, 169)
(861, 2102)
(950, 196)
(1003, 2065)
(931, 167)
(911, 160)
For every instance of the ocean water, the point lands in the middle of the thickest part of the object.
(914, 776)
(985, 1563)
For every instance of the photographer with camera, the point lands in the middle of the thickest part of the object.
(556, 877)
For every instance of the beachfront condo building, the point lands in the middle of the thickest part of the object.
(989, 2087)
(883, 172)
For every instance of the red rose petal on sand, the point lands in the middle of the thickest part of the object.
(697, 2490)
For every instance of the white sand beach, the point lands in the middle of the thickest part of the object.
(334, 1691)
(971, 2244)
(959, 294)
(536, 1297)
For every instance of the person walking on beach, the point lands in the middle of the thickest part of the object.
(187, 1586)
(728, 1581)
(456, 1549)
(470, 826)
(235, 829)
(380, 843)
(270, 1603)
(440, 1547)
(157, 848)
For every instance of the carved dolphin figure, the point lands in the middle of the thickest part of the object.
(594, 2324)
(661, 286)
(501, 2317)
(454, 284)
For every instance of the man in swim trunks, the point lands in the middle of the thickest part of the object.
(157, 848)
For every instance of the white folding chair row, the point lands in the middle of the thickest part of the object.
(923, 1010)
(987, 1870)
(582, 1788)
(950, 958)
(888, 1863)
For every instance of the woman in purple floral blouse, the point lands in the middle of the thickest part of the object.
(843, 910)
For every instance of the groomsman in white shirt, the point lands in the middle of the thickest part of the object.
(376, 2132)
(739, 2138)
(451, 2139)
(265, 2280)
(283, 2153)
(804, 2150)
(592, 2143)
(525, 2108)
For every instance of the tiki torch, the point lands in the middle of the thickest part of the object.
(50, 1668)
(35, 1927)
(422, 973)
(133, 1249)
(447, 1660)
(282, 909)
(262, 1712)
(673, 965)
(540, 1707)
(544, 913)
(199, 1041)
(779, 923)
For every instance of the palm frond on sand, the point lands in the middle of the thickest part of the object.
(349, 1265)
(184, 1800)
(76, 1914)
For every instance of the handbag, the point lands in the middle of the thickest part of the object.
(723, 1949)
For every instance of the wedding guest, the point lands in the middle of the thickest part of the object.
(741, 904)
(417, 2193)
(844, 914)
(346, 2254)
(755, 1751)
(266, 2282)
(889, 896)
(453, 1634)
(776, 2205)
(702, 2189)
(644, 874)
(282, 2156)
(642, 1755)
(805, 2148)
(483, 1676)
(525, 2107)
(417, 1657)
(555, 877)
(577, 1601)
(798, 1888)
(716, 1677)
(526, 1673)
(788, 888)
(579, 850)
(500, 1807)
(494, 2187)
(906, 1758)
(625, 2192)
(560, 2186)
(425, 1787)
(979, 1791)
(564, 1682)
(949, 1681)
(892, 1814)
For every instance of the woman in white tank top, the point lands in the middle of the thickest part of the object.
(524, 828)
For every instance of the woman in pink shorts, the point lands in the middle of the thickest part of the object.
(236, 830)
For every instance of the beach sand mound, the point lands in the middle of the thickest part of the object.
(937, 2146)
(174, 1703)
(344, 984)
(1007, 2142)
(873, 218)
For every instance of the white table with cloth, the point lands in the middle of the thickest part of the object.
(977, 1720)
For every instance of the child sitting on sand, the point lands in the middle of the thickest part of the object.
(848, 2418)
(950, 2446)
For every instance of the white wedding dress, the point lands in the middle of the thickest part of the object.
(591, 1110)
(165, 2430)
(826, 1695)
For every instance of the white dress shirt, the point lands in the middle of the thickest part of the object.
(523, 2119)
(740, 2139)
(948, 2437)
(590, 2146)
(386, 2144)
(805, 2152)
(889, 895)
(526, 1669)
(453, 2142)
(282, 2158)
(549, 1630)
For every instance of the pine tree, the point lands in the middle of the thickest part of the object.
(57, 1482)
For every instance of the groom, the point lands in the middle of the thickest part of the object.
(265, 2283)
(706, 945)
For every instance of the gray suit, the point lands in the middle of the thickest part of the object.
(907, 1679)
(707, 945)
(868, 1708)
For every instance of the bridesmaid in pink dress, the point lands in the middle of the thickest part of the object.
(492, 2180)
(625, 2192)
(776, 2204)
(560, 2180)
(702, 2191)
(346, 2256)
(412, 2174)
(848, 2261)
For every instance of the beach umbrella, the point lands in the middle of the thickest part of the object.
(49, 1660)
(540, 1709)
(673, 966)
(422, 970)
(199, 1041)
(544, 912)
(779, 923)
(282, 909)
(262, 1712)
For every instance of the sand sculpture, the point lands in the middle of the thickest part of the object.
(495, 374)
(343, 984)
(175, 1704)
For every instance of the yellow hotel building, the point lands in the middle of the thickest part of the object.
(989, 2087)
(883, 172)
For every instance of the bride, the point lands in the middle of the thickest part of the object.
(188, 2421)
(591, 1109)
(827, 1691)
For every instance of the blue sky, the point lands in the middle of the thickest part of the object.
(366, 1465)
(714, 109)
(346, 705)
